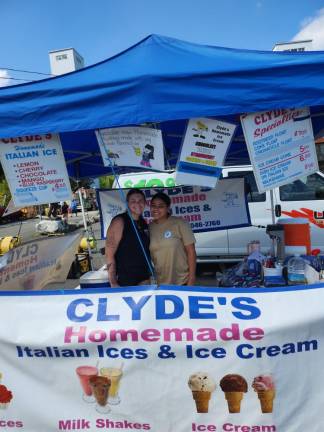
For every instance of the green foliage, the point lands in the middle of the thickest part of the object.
(106, 182)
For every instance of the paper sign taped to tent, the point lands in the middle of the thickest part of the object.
(205, 209)
(281, 146)
(35, 264)
(137, 146)
(35, 169)
(203, 151)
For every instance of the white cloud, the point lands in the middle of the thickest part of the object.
(4, 78)
(313, 28)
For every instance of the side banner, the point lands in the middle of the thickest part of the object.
(132, 146)
(37, 263)
(281, 146)
(35, 169)
(184, 360)
(203, 151)
(205, 209)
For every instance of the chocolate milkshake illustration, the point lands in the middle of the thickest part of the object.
(85, 373)
(100, 388)
(114, 375)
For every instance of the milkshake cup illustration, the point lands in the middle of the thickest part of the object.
(85, 373)
(233, 386)
(202, 385)
(114, 375)
(100, 388)
(264, 386)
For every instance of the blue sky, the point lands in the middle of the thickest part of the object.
(97, 29)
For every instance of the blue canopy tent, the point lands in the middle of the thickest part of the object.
(165, 81)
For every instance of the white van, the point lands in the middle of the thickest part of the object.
(302, 198)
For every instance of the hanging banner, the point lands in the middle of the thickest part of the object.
(35, 169)
(35, 264)
(205, 209)
(281, 146)
(132, 147)
(203, 151)
(189, 360)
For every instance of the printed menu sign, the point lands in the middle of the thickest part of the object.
(35, 169)
(281, 146)
(158, 359)
(132, 146)
(203, 151)
(205, 209)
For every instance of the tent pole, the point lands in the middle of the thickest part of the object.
(85, 226)
(273, 250)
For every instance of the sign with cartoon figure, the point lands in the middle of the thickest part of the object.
(132, 146)
(35, 169)
(163, 359)
(203, 151)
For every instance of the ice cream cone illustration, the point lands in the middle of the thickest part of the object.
(264, 386)
(202, 385)
(233, 386)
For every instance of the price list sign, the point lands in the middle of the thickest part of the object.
(35, 169)
(281, 146)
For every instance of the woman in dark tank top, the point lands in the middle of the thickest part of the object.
(126, 262)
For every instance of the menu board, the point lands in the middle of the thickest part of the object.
(203, 151)
(281, 146)
(35, 169)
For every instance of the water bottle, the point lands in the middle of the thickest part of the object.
(296, 270)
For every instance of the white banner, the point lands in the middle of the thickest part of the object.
(205, 209)
(132, 147)
(281, 146)
(203, 151)
(35, 169)
(197, 359)
(37, 263)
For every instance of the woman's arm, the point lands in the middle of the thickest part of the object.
(113, 237)
(191, 256)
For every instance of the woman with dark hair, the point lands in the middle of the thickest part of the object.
(148, 153)
(172, 245)
(126, 262)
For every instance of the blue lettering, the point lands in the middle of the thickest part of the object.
(102, 309)
(243, 355)
(196, 303)
(161, 312)
(244, 303)
(136, 307)
(71, 310)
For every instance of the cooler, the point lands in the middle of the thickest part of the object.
(95, 279)
(297, 232)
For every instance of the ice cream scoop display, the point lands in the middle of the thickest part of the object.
(233, 386)
(264, 386)
(202, 385)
